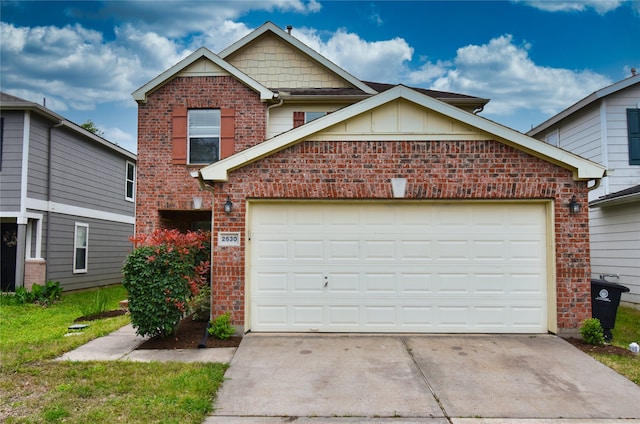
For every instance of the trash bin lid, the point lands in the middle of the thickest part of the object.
(610, 285)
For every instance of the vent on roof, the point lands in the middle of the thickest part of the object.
(289, 28)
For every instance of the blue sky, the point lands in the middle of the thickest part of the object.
(531, 58)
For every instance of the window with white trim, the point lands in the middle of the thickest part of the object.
(130, 184)
(80, 248)
(203, 135)
(34, 239)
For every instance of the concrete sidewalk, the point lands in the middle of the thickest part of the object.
(121, 346)
(403, 379)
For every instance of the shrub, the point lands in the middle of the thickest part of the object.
(44, 295)
(592, 332)
(162, 275)
(221, 327)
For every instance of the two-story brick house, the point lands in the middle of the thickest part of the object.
(342, 205)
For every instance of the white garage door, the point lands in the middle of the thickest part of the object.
(398, 267)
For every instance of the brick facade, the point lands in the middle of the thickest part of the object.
(434, 170)
(346, 170)
(163, 185)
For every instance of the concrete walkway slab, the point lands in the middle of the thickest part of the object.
(320, 376)
(223, 355)
(121, 345)
(111, 347)
(521, 377)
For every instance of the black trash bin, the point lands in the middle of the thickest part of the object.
(605, 299)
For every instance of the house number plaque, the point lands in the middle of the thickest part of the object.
(228, 239)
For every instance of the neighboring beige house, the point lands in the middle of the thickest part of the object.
(605, 128)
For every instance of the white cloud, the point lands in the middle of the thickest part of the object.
(503, 72)
(382, 61)
(600, 6)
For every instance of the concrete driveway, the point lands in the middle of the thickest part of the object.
(419, 378)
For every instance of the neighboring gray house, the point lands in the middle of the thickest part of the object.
(67, 206)
(605, 128)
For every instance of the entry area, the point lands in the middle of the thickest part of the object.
(400, 267)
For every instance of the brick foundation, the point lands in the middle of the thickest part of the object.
(35, 271)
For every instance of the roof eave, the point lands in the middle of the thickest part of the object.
(583, 169)
(140, 95)
(613, 88)
(601, 203)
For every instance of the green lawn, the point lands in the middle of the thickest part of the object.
(36, 389)
(627, 330)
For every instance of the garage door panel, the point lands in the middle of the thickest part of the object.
(398, 268)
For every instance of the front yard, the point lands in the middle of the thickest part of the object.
(36, 389)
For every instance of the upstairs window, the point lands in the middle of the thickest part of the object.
(300, 118)
(553, 138)
(130, 185)
(204, 136)
(633, 127)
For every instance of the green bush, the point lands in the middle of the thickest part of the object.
(592, 332)
(162, 275)
(221, 327)
(44, 295)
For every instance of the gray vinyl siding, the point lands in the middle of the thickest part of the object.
(38, 157)
(10, 174)
(621, 174)
(615, 245)
(583, 134)
(108, 247)
(88, 175)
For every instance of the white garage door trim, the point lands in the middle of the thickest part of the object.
(364, 266)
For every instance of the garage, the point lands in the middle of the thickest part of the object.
(383, 266)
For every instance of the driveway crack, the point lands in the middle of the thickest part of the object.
(426, 380)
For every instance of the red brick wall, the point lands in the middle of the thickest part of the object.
(162, 185)
(434, 170)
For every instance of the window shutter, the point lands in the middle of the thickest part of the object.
(179, 136)
(633, 126)
(298, 119)
(227, 132)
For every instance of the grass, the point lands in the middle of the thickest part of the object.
(627, 330)
(36, 389)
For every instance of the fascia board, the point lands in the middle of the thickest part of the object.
(269, 26)
(604, 92)
(583, 169)
(140, 95)
(60, 120)
(630, 198)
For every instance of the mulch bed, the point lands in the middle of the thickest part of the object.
(608, 349)
(189, 335)
(105, 314)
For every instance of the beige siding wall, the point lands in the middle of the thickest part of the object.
(615, 245)
(281, 118)
(275, 64)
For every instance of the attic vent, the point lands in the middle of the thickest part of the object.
(289, 28)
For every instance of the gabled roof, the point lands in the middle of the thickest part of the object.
(595, 96)
(9, 102)
(140, 95)
(583, 169)
(290, 39)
